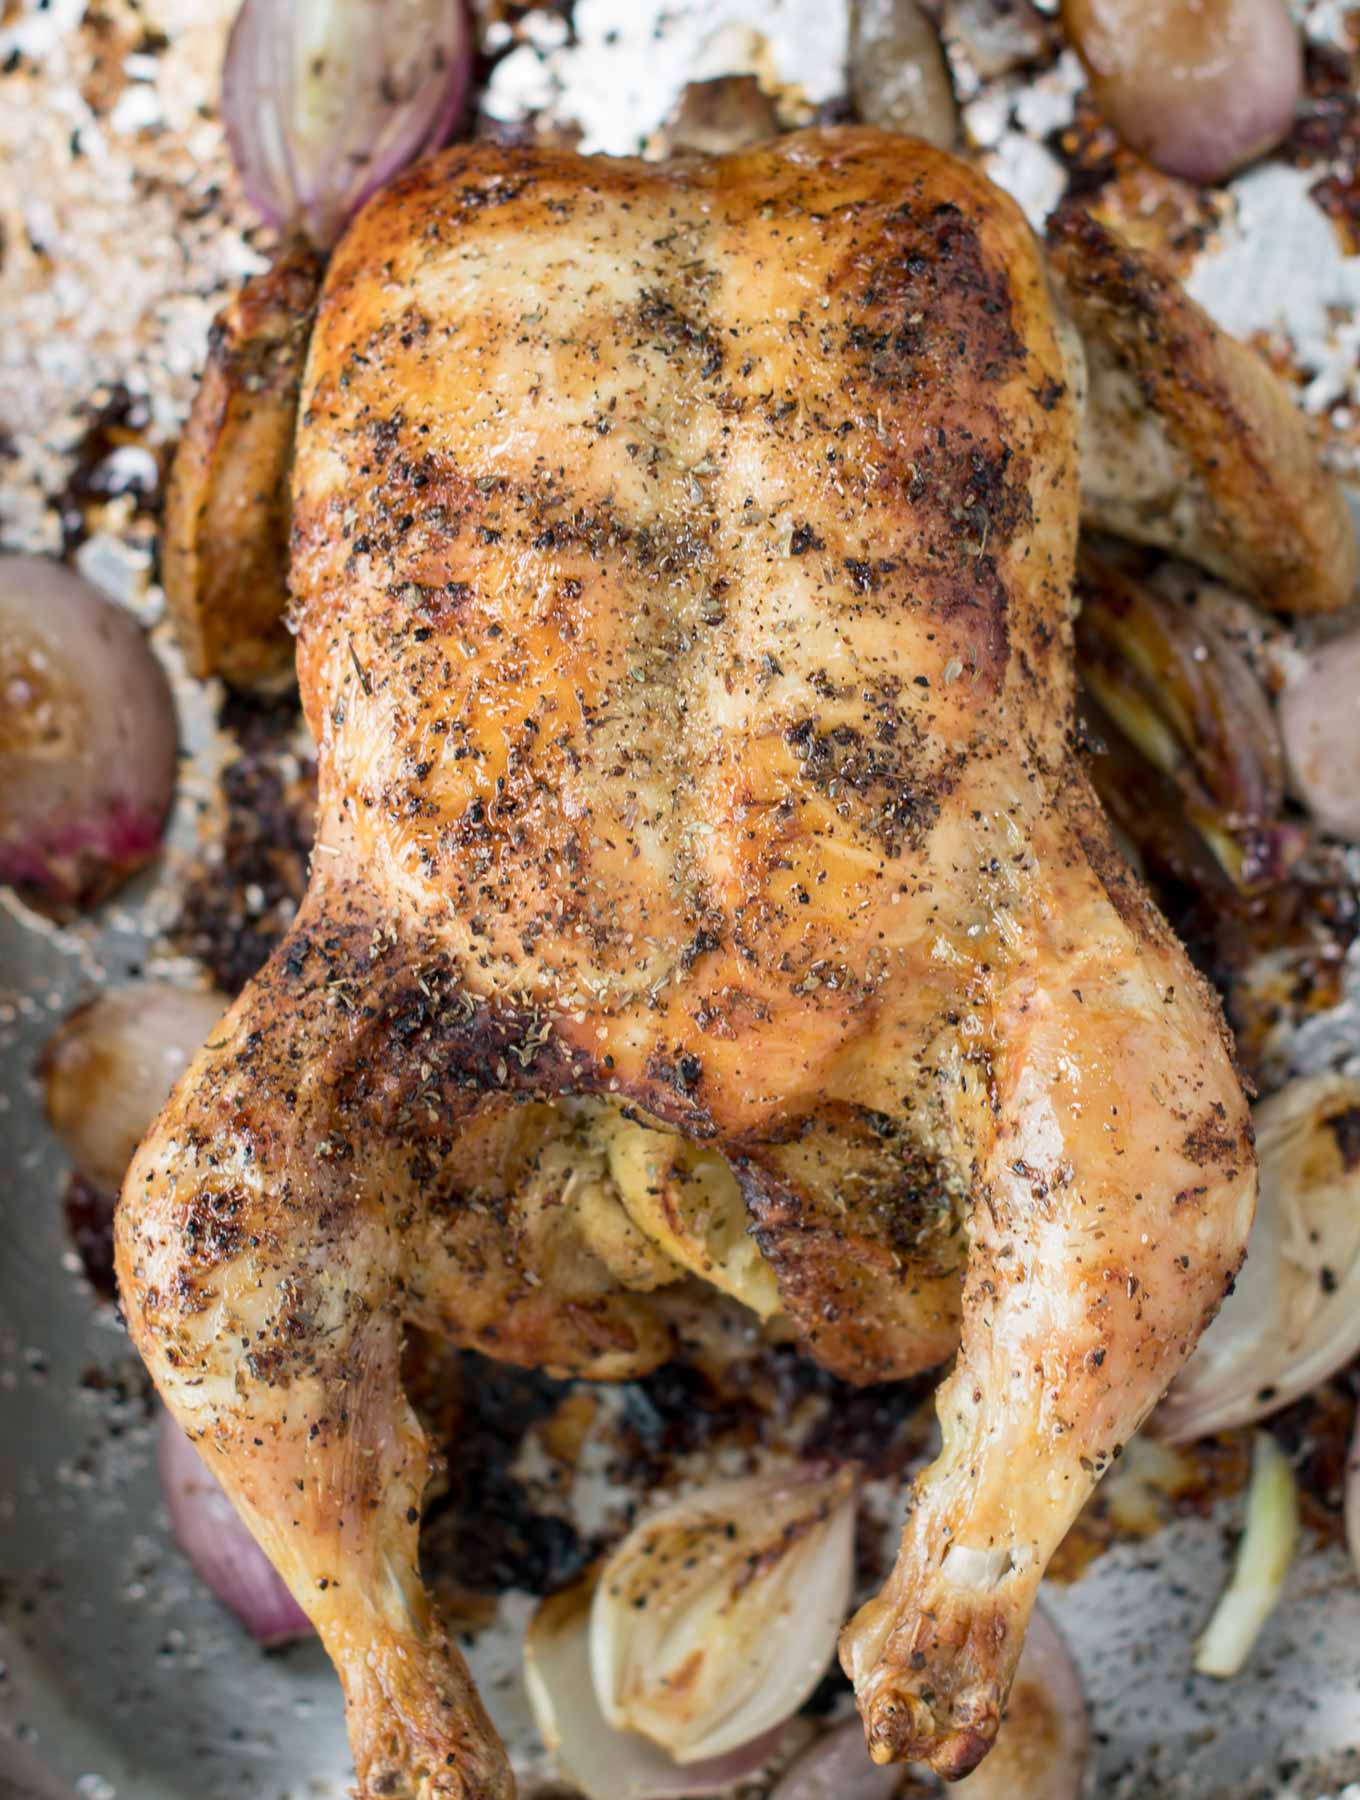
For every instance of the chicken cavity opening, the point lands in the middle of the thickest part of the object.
(649, 1204)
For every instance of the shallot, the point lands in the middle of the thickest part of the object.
(87, 738)
(326, 100)
(1198, 87)
(1320, 720)
(110, 1066)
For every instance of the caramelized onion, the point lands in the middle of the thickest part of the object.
(110, 1066)
(674, 1668)
(1184, 694)
(717, 1616)
(1199, 87)
(604, 1763)
(326, 100)
(224, 1555)
(87, 738)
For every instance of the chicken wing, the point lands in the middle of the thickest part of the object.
(1191, 443)
(682, 562)
(225, 548)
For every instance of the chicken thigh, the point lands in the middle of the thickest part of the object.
(707, 888)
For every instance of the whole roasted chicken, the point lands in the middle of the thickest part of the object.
(708, 892)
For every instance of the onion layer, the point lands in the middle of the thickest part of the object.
(1199, 89)
(87, 738)
(326, 100)
(1294, 1315)
(224, 1555)
(604, 1763)
(717, 1616)
(674, 1669)
(1263, 1559)
(1041, 1752)
(110, 1067)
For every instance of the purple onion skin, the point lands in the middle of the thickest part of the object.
(312, 178)
(87, 739)
(224, 1555)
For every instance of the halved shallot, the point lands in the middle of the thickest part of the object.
(672, 1669)
(87, 738)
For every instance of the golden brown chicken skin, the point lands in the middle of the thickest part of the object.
(682, 564)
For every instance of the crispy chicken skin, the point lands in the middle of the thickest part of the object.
(682, 563)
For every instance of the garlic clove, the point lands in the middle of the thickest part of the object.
(717, 1616)
(1294, 1315)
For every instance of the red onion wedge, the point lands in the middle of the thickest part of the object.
(1320, 722)
(110, 1066)
(1294, 1315)
(1041, 1752)
(224, 1555)
(1198, 87)
(87, 738)
(326, 100)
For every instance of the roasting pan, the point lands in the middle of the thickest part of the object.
(120, 1679)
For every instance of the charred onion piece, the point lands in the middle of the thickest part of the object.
(1199, 87)
(1187, 698)
(87, 738)
(898, 75)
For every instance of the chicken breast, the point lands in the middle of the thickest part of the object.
(706, 887)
